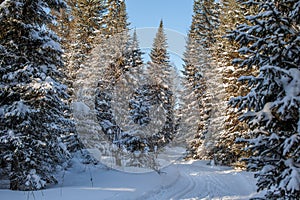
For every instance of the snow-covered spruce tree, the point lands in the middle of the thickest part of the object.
(144, 96)
(226, 151)
(33, 113)
(87, 21)
(116, 58)
(125, 113)
(103, 65)
(107, 60)
(189, 110)
(192, 55)
(115, 52)
(134, 56)
(131, 80)
(193, 86)
(116, 19)
(100, 80)
(63, 24)
(116, 28)
(78, 26)
(271, 108)
(159, 67)
(159, 73)
(205, 20)
(130, 143)
(159, 54)
(117, 67)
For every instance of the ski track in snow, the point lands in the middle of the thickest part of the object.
(186, 190)
(205, 182)
(187, 180)
(175, 190)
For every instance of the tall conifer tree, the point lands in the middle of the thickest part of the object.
(271, 108)
(205, 21)
(33, 113)
(194, 60)
(160, 79)
(226, 151)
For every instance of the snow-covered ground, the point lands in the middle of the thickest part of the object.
(181, 180)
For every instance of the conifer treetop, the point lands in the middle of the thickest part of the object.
(159, 54)
(134, 39)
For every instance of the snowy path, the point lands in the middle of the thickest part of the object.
(200, 181)
(182, 180)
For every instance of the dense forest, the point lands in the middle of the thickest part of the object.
(236, 101)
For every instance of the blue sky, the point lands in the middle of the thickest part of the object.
(145, 15)
(176, 14)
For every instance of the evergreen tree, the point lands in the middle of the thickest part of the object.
(88, 15)
(188, 116)
(205, 21)
(159, 54)
(88, 22)
(33, 112)
(122, 18)
(159, 73)
(116, 19)
(79, 26)
(64, 24)
(129, 83)
(127, 142)
(193, 54)
(135, 54)
(226, 151)
(106, 70)
(159, 67)
(117, 32)
(271, 42)
(194, 59)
